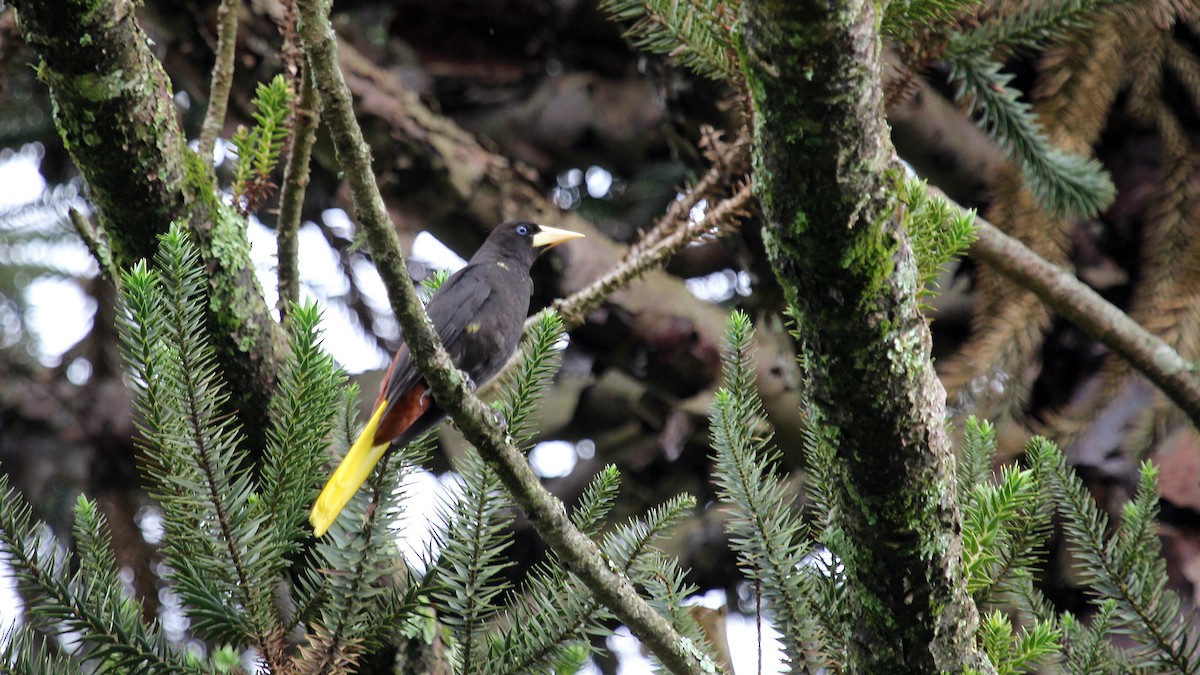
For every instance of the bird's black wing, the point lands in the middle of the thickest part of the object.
(450, 309)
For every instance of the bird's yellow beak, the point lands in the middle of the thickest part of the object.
(552, 236)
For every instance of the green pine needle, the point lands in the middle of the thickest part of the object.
(1067, 185)
(1126, 567)
(259, 148)
(1036, 26)
(906, 20)
(524, 389)
(597, 500)
(937, 231)
(90, 603)
(694, 33)
(215, 532)
(474, 537)
(555, 612)
(302, 415)
(764, 524)
(23, 653)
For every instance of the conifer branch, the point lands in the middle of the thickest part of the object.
(23, 653)
(1125, 567)
(694, 33)
(470, 568)
(721, 218)
(259, 148)
(938, 232)
(96, 240)
(302, 414)
(1087, 649)
(1066, 184)
(448, 385)
(556, 609)
(90, 602)
(215, 534)
(355, 565)
(764, 525)
(221, 81)
(1034, 26)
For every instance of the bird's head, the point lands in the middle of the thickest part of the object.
(523, 240)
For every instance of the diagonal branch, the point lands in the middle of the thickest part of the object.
(449, 387)
(1069, 296)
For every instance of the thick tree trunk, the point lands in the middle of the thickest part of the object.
(116, 115)
(825, 170)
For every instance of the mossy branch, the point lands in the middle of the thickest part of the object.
(306, 116)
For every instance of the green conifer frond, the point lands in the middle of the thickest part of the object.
(988, 513)
(1066, 184)
(597, 500)
(215, 531)
(974, 464)
(431, 283)
(937, 232)
(90, 603)
(555, 612)
(694, 33)
(22, 653)
(764, 524)
(905, 20)
(1126, 567)
(302, 416)
(358, 585)
(259, 148)
(474, 537)
(1087, 650)
(1012, 653)
(524, 389)
(1036, 26)
(360, 572)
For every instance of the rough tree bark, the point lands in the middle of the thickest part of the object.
(825, 171)
(116, 115)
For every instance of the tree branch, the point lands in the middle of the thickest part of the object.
(307, 115)
(450, 388)
(1073, 299)
(221, 81)
(117, 118)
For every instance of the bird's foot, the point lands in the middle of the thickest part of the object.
(501, 423)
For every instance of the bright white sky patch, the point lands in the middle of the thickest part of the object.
(429, 250)
(553, 459)
(10, 602)
(19, 175)
(59, 315)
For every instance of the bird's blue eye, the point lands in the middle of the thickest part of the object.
(522, 230)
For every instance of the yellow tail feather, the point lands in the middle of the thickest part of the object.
(350, 474)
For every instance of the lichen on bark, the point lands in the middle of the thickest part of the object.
(824, 172)
(115, 112)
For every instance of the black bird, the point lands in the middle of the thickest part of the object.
(479, 313)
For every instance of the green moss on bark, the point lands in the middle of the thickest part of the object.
(116, 114)
(824, 172)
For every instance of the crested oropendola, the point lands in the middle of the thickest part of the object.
(479, 313)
